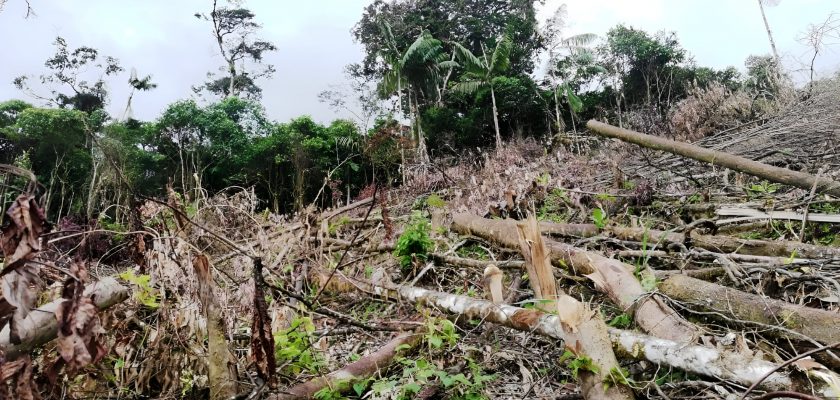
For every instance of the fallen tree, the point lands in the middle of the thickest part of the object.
(716, 243)
(41, 325)
(697, 359)
(610, 276)
(817, 324)
(714, 157)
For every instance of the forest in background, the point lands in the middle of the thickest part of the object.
(489, 224)
(462, 76)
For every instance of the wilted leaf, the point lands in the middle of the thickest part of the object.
(79, 330)
(21, 234)
(807, 364)
(20, 289)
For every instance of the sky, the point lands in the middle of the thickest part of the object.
(314, 41)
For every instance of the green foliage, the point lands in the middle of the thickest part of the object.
(554, 206)
(474, 251)
(414, 243)
(617, 376)
(440, 331)
(434, 201)
(293, 347)
(145, 294)
(599, 217)
(576, 364)
(763, 188)
(621, 321)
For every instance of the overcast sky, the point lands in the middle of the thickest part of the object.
(162, 38)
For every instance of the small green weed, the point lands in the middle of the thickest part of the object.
(599, 217)
(293, 347)
(145, 294)
(414, 242)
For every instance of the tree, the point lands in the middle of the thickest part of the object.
(568, 52)
(145, 84)
(469, 22)
(233, 29)
(68, 70)
(418, 70)
(480, 72)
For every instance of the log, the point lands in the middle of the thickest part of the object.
(749, 214)
(611, 277)
(817, 324)
(715, 243)
(768, 172)
(696, 359)
(341, 380)
(41, 326)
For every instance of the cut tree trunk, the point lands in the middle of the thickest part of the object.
(341, 381)
(41, 326)
(714, 157)
(611, 276)
(819, 325)
(221, 368)
(696, 359)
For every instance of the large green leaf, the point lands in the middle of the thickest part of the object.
(500, 61)
(469, 61)
(468, 87)
(574, 101)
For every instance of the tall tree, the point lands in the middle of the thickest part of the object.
(233, 31)
(68, 78)
(419, 71)
(142, 84)
(571, 52)
(480, 72)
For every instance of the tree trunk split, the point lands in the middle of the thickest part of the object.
(714, 157)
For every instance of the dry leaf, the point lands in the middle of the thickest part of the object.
(79, 331)
(21, 236)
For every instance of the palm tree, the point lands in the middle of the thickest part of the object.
(481, 71)
(576, 49)
(144, 84)
(418, 70)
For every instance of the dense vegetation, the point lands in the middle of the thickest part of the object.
(465, 75)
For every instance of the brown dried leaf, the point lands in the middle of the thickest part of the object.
(79, 330)
(21, 235)
(262, 341)
(25, 388)
(20, 289)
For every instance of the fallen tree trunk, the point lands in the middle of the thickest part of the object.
(737, 163)
(701, 360)
(819, 325)
(610, 276)
(41, 326)
(341, 381)
(715, 243)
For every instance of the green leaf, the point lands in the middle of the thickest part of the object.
(359, 388)
(574, 101)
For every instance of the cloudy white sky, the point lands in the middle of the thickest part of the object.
(314, 43)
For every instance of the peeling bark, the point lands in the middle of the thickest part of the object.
(612, 277)
(820, 325)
